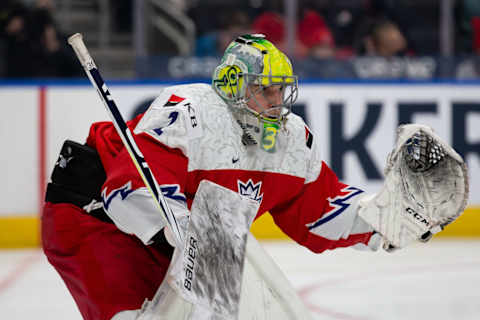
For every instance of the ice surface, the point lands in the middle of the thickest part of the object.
(439, 280)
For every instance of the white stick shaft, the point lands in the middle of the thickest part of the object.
(76, 41)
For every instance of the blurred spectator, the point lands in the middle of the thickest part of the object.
(468, 13)
(33, 47)
(45, 4)
(317, 39)
(322, 45)
(316, 36)
(383, 39)
(53, 58)
(417, 19)
(469, 69)
(212, 16)
(17, 53)
(468, 25)
(476, 34)
(272, 25)
(214, 43)
(342, 18)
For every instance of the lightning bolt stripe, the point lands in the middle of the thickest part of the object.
(338, 205)
(123, 191)
(171, 191)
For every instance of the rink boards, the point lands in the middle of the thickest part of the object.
(354, 124)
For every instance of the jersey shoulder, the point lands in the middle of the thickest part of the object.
(178, 115)
(303, 141)
(181, 94)
(300, 130)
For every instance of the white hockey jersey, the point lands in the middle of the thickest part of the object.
(189, 134)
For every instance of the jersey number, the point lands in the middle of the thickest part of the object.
(173, 117)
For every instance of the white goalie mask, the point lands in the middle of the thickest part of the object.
(256, 80)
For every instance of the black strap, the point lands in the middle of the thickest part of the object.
(58, 194)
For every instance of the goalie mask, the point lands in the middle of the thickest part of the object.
(256, 80)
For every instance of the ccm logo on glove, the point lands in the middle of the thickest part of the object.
(417, 216)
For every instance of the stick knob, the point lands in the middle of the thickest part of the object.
(76, 41)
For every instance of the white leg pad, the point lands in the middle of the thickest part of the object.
(127, 315)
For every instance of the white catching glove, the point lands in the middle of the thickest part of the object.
(425, 188)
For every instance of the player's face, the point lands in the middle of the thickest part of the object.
(265, 100)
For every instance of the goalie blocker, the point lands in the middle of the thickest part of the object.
(425, 189)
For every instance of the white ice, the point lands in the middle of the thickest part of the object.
(439, 280)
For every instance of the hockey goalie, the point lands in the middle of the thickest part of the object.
(224, 154)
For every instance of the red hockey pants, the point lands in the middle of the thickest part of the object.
(105, 270)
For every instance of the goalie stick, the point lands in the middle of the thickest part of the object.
(76, 41)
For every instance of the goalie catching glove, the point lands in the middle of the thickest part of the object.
(425, 189)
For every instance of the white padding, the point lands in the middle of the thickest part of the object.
(126, 315)
(266, 295)
(415, 202)
(135, 212)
